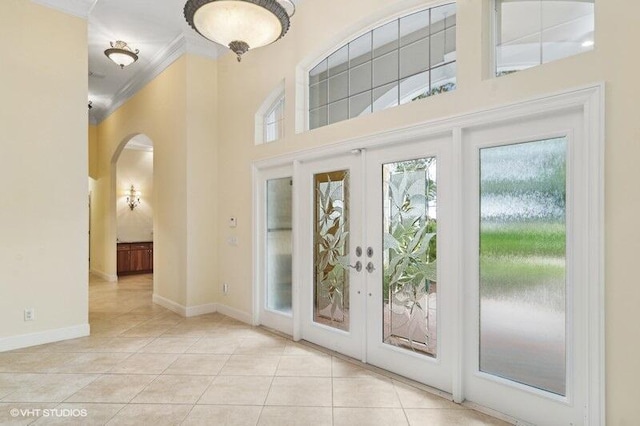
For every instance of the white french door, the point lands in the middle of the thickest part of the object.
(377, 280)
(275, 260)
(331, 230)
(525, 261)
(470, 262)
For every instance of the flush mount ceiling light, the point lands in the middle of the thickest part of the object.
(121, 54)
(240, 24)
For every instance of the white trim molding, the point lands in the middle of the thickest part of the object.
(43, 337)
(107, 277)
(234, 313)
(209, 308)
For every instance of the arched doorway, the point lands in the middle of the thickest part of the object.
(131, 206)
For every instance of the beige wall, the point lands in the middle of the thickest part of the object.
(317, 28)
(93, 151)
(135, 167)
(177, 110)
(43, 167)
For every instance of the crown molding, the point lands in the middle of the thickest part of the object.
(79, 8)
(178, 47)
(159, 63)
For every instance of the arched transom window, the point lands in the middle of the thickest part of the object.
(402, 61)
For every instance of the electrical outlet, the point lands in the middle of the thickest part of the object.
(29, 314)
(225, 288)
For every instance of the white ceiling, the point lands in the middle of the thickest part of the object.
(156, 27)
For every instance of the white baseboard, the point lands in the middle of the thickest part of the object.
(42, 337)
(209, 308)
(235, 313)
(104, 275)
(170, 305)
(194, 311)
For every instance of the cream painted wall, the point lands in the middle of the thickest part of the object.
(93, 151)
(43, 167)
(317, 29)
(134, 167)
(177, 110)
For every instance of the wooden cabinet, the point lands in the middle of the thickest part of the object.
(135, 258)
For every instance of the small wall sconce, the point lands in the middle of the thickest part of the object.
(133, 198)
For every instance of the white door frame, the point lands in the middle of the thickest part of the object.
(590, 101)
(262, 316)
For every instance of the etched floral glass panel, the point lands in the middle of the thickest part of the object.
(331, 249)
(409, 291)
(522, 263)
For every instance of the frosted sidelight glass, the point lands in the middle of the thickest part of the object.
(331, 249)
(410, 278)
(523, 310)
(278, 252)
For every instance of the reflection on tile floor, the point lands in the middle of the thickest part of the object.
(144, 365)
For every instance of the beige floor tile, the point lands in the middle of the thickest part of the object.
(12, 382)
(301, 366)
(145, 364)
(437, 416)
(215, 345)
(125, 344)
(51, 388)
(300, 391)
(294, 348)
(31, 362)
(369, 416)
(261, 346)
(295, 416)
(115, 388)
(364, 392)
(151, 414)
(249, 365)
(80, 414)
(174, 390)
(204, 415)
(341, 368)
(411, 397)
(145, 331)
(207, 365)
(237, 390)
(22, 413)
(91, 362)
(169, 345)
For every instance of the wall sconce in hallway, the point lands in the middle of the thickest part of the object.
(133, 198)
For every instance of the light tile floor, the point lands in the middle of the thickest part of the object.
(144, 365)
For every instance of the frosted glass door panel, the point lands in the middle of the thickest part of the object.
(278, 250)
(410, 279)
(331, 249)
(522, 263)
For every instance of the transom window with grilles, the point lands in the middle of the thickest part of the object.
(404, 60)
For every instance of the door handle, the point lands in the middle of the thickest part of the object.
(357, 266)
(370, 267)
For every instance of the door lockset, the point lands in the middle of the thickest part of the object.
(357, 266)
(369, 251)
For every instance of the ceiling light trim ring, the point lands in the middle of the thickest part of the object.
(273, 6)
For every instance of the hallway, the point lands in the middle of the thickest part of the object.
(143, 364)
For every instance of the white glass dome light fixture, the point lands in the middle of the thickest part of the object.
(240, 24)
(121, 54)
